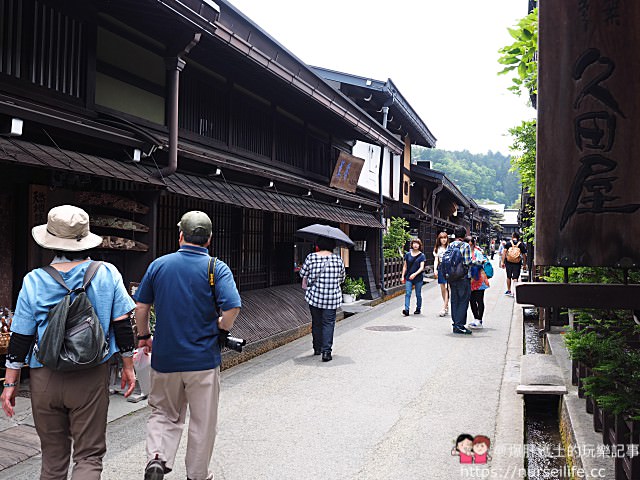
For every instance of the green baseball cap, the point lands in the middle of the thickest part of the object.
(195, 223)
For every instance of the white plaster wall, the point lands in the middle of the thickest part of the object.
(369, 175)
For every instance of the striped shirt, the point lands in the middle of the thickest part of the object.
(324, 274)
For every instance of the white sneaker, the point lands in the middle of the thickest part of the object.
(476, 324)
(442, 313)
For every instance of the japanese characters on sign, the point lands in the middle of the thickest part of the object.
(347, 172)
(587, 195)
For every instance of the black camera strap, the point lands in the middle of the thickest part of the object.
(211, 270)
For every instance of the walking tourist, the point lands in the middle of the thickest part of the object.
(70, 406)
(513, 257)
(479, 283)
(442, 242)
(460, 288)
(323, 272)
(492, 248)
(194, 313)
(412, 275)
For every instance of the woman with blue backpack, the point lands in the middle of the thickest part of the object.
(481, 270)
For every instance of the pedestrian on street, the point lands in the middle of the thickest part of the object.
(501, 249)
(69, 406)
(479, 282)
(412, 275)
(492, 248)
(461, 289)
(442, 243)
(323, 272)
(513, 257)
(193, 318)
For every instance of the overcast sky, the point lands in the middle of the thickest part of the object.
(441, 54)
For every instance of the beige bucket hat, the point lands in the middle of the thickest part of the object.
(67, 229)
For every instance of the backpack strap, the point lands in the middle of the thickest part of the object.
(56, 276)
(89, 274)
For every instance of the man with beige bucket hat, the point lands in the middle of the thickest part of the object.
(69, 405)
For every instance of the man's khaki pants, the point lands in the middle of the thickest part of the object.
(170, 394)
(66, 406)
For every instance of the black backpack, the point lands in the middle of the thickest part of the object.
(453, 265)
(74, 338)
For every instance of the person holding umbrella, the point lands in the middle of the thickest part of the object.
(323, 272)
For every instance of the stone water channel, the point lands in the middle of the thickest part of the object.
(545, 454)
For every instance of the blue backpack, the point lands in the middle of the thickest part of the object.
(453, 264)
(488, 269)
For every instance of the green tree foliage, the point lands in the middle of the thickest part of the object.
(396, 237)
(521, 56)
(483, 177)
(524, 149)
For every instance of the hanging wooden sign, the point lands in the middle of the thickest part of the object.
(109, 221)
(110, 242)
(588, 172)
(110, 200)
(347, 172)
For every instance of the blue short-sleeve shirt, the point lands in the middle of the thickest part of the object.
(186, 330)
(40, 292)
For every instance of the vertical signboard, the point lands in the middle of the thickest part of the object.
(346, 172)
(588, 166)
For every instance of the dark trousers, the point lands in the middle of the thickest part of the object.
(460, 294)
(477, 303)
(323, 322)
(71, 406)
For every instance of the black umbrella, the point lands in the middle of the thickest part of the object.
(312, 232)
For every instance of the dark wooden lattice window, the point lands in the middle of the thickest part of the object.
(290, 142)
(41, 43)
(282, 257)
(251, 123)
(203, 107)
(318, 152)
(254, 272)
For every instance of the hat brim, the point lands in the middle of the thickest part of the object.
(46, 240)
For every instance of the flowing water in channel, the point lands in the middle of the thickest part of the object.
(545, 454)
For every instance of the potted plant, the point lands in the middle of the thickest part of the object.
(352, 288)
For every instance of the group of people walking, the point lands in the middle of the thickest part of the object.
(464, 290)
(196, 302)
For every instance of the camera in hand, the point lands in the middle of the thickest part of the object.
(232, 343)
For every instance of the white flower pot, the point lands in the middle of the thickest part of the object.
(348, 298)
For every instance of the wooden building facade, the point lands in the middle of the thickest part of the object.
(141, 111)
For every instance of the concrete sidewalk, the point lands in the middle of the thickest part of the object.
(389, 406)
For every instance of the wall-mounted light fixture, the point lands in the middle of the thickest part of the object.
(412, 183)
(360, 206)
(337, 200)
(11, 127)
(270, 184)
(308, 193)
(137, 154)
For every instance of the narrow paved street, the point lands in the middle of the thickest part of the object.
(389, 406)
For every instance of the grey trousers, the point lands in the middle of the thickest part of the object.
(71, 406)
(170, 394)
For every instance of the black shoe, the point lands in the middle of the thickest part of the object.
(317, 352)
(154, 470)
(405, 313)
(417, 312)
(326, 356)
(462, 331)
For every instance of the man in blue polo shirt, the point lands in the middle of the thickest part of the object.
(186, 353)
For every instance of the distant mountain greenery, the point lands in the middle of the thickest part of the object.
(483, 177)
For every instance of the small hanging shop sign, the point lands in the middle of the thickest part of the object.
(347, 172)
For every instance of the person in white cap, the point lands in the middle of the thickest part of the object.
(69, 406)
